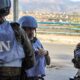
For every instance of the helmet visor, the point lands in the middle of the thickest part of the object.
(5, 4)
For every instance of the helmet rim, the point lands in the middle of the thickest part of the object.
(28, 22)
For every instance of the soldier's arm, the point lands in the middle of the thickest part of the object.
(28, 50)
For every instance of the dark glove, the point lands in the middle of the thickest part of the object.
(47, 58)
(76, 63)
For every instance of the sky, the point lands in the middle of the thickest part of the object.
(55, 1)
(75, 0)
(24, 3)
(49, 1)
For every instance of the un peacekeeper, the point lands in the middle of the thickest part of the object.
(37, 72)
(76, 62)
(12, 52)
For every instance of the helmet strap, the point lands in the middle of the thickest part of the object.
(35, 33)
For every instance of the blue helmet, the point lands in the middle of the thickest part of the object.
(5, 7)
(28, 22)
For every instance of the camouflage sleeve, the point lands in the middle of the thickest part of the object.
(22, 37)
(29, 60)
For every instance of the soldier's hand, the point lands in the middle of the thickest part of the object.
(41, 51)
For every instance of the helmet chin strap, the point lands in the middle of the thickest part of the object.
(35, 33)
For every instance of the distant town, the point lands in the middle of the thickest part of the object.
(50, 16)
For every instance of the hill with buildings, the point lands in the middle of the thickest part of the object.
(51, 6)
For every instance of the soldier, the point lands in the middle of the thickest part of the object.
(11, 51)
(76, 62)
(29, 24)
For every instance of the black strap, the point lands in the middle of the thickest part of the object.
(34, 40)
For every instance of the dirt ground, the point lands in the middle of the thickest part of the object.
(61, 67)
(61, 49)
(65, 39)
